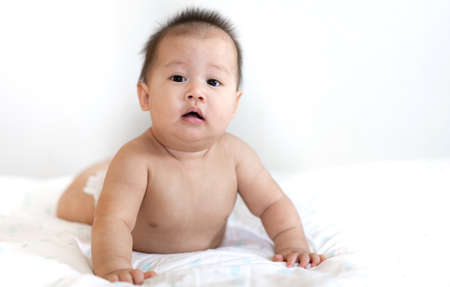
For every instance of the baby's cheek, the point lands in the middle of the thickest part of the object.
(225, 113)
(222, 122)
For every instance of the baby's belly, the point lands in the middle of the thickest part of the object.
(149, 238)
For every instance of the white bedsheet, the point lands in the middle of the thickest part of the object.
(382, 221)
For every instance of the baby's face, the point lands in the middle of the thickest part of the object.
(197, 73)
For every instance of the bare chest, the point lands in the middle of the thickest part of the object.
(190, 199)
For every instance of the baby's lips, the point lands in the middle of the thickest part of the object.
(196, 110)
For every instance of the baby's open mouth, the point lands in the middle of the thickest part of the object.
(193, 115)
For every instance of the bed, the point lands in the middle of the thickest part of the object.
(379, 223)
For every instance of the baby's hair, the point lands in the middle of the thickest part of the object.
(190, 16)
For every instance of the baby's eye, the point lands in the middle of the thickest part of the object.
(177, 78)
(213, 82)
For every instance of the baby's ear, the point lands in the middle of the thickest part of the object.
(236, 103)
(143, 96)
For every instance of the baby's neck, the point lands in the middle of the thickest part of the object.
(182, 155)
(187, 155)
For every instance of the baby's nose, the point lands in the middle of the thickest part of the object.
(191, 96)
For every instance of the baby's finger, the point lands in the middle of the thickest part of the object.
(125, 276)
(291, 259)
(277, 258)
(322, 258)
(138, 276)
(149, 274)
(112, 278)
(315, 259)
(303, 260)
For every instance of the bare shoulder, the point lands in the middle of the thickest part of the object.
(231, 139)
(239, 149)
(139, 149)
(235, 145)
(132, 162)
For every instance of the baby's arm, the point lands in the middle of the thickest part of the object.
(115, 216)
(266, 200)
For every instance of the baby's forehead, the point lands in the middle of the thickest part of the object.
(197, 30)
(201, 31)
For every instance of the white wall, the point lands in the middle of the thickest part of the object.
(325, 82)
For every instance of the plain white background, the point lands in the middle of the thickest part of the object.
(325, 82)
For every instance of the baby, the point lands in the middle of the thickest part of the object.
(172, 188)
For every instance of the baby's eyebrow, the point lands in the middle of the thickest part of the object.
(220, 68)
(175, 63)
(214, 66)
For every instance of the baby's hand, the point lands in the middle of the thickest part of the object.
(292, 255)
(135, 276)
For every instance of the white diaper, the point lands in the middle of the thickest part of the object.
(94, 184)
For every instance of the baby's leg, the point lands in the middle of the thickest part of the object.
(75, 204)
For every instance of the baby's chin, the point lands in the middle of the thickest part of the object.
(198, 140)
